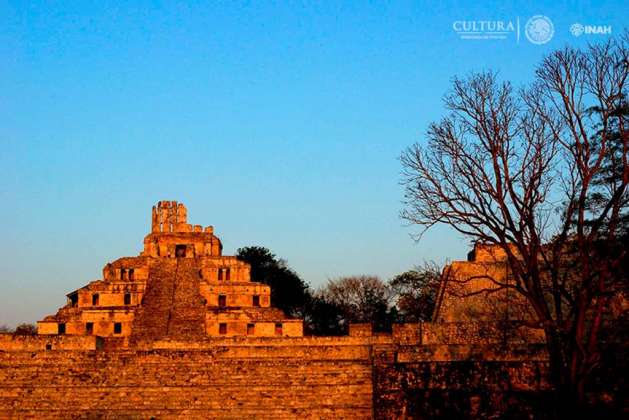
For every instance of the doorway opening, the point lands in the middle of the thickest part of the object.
(180, 251)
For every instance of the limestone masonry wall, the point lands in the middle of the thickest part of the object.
(358, 376)
(183, 384)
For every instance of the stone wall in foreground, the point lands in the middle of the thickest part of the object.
(359, 376)
(184, 384)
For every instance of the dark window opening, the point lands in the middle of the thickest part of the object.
(222, 301)
(278, 328)
(220, 274)
(74, 299)
(256, 300)
(61, 328)
(117, 327)
(89, 328)
(95, 299)
(222, 328)
(123, 272)
(48, 346)
(251, 329)
(131, 274)
(180, 251)
(227, 273)
(127, 298)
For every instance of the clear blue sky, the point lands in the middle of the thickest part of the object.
(280, 124)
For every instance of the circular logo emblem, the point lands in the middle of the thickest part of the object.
(539, 29)
(576, 29)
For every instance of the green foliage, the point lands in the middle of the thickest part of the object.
(347, 299)
(606, 181)
(324, 318)
(25, 329)
(288, 291)
(416, 292)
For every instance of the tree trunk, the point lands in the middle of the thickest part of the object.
(568, 387)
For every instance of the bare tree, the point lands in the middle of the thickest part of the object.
(515, 168)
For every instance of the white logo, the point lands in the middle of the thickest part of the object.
(539, 29)
(484, 29)
(576, 29)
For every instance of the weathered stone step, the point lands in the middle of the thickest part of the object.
(172, 306)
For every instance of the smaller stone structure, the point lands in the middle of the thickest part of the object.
(470, 290)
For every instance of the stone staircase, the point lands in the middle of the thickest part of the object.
(187, 314)
(172, 306)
